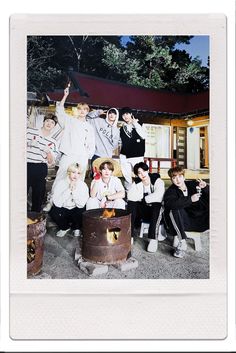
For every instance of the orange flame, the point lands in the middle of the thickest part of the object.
(108, 214)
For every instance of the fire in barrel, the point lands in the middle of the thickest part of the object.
(36, 229)
(106, 236)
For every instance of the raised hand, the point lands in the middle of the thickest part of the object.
(96, 174)
(195, 197)
(202, 183)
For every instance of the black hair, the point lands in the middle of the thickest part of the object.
(141, 165)
(51, 117)
(112, 110)
(126, 110)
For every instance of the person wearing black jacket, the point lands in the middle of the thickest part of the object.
(186, 206)
(132, 137)
(144, 202)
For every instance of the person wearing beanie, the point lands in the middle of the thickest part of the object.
(132, 136)
(41, 153)
(107, 133)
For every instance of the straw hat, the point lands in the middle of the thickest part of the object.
(117, 169)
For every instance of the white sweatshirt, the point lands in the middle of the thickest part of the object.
(136, 192)
(78, 137)
(64, 197)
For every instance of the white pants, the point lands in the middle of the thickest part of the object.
(127, 166)
(94, 203)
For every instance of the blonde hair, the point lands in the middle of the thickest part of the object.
(84, 105)
(73, 168)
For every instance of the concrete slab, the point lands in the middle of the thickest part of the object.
(93, 269)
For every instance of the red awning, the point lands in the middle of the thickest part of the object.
(107, 93)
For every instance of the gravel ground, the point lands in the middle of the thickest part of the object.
(59, 263)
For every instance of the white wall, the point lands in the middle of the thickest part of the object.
(193, 148)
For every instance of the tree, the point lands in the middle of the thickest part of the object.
(41, 75)
(147, 61)
(153, 62)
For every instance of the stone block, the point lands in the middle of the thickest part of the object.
(129, 264)
(92, 269)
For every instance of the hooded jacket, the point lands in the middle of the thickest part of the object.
(106, 135)
(136, 192)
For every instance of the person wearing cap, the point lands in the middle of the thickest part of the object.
(145, 202)
(186, 205)
(107, 134)
(106, 190)
(132, 136)
(41, 153)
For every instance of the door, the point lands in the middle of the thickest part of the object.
(181, 146)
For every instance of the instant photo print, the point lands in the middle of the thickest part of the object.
(118, 177)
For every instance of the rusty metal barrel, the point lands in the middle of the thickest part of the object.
(35, 242)
(106, 240)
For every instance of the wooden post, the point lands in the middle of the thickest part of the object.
(206, 148)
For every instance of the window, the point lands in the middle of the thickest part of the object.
(157, 141)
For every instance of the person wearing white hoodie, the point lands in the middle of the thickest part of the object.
(107, 134)
(145, 202)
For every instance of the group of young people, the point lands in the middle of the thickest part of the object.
(88, 136)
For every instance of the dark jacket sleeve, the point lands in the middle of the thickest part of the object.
(173, 200)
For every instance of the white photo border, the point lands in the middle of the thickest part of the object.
(204, 301)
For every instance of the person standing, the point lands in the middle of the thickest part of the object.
(41, 153)
(107, 133)
(132, 136)
(78, 140)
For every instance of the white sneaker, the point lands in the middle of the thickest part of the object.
(176, 241)
(48, 207)
(152, 246)
(77, 233)
(183, 245)
(162, 234)
(179, 253)
(62, 233)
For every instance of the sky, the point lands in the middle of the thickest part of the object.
(198, 46)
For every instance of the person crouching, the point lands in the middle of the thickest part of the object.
(144, 202)
(69, 199)
(106, 190)
(186, 206)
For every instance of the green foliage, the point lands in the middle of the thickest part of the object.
(147, 61)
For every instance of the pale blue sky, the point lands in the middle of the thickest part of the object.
(199, 46)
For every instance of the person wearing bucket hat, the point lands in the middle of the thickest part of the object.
(107, 134)
(132, 136)
(106, 190)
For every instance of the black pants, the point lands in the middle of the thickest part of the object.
(140, 211)
(180, 221)
(36, 179)
(66, 218)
